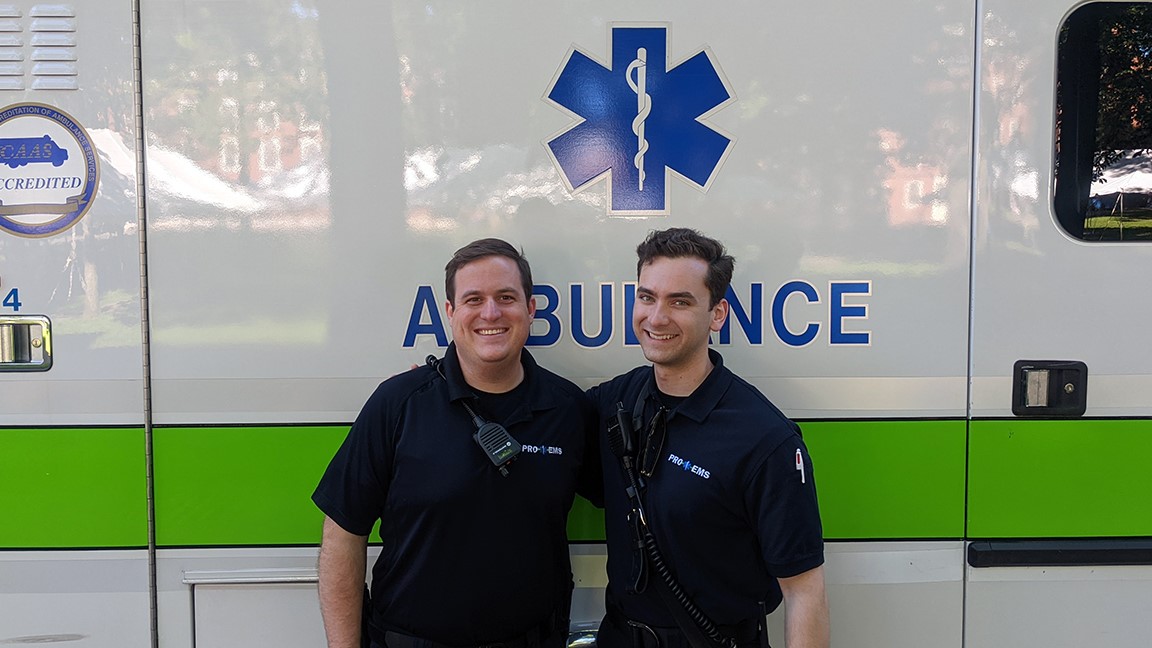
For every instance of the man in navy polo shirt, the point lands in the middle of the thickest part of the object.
(726, 480)
(471, 556)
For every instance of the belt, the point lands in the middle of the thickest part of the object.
(534, 638)
(746, 632)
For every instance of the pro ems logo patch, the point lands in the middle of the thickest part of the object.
(640, 120)
(690, 467)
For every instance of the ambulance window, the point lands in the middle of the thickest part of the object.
(1104, 122)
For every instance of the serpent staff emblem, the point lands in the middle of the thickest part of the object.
(640, 132)
(643, 106)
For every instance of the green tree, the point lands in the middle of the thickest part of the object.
(1124, 118)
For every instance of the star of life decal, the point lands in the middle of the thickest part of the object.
(639, 120)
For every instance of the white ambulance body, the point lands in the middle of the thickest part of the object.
(249, 231)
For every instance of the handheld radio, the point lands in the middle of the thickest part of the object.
(497, 444)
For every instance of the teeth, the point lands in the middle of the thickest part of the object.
(661, 337)
(491, 331)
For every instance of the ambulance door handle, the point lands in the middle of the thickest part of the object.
(1049, 388)
(25, 343)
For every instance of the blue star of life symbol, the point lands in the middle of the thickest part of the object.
(639, 120)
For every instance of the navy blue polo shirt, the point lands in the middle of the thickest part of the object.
(469, 556)
(730, 510)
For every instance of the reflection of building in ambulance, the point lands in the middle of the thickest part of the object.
(915, 191)
(223, 155)
(249, 142)
(272, 146)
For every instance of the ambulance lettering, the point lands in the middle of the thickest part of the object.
(798, 315)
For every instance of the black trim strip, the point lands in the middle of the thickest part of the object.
(982, 419)
(1060, 553)
(323, 424)
(4, 550)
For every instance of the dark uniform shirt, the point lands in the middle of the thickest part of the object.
(729, 507)
(469, 556)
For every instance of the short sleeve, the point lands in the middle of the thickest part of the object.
(354, 486)
(781, 497)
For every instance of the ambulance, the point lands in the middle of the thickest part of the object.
(224, 222)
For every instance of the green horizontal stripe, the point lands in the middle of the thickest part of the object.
(888, 479)
(253, 486)
(585, 522)
(62, 488)
(240, 485)
(1060, 479)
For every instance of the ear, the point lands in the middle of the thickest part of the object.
(448, 310)
(531, 308)
(719, 314)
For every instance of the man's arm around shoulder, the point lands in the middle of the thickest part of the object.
(806, 609)
(343, 558)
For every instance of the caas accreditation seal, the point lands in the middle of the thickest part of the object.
(48, 170)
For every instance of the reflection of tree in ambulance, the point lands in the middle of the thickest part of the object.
(1122, 34)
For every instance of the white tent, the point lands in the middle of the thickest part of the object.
(1132, 174)
(1126, 185)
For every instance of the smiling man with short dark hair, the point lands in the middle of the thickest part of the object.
(724, 478)
(474, 553)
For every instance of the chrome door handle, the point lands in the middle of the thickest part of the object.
(25, 343)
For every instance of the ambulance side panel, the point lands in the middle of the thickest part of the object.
(312, 165)
(1040, 293)
(883, 178)
(73, 559)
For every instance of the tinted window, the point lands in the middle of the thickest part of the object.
(1104, 123)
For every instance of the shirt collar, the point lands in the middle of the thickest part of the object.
(706, 396)
(537, 397)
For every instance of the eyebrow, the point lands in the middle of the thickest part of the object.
(675, 295)
(499, 291)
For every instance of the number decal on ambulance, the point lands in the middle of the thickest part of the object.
(12, 300)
